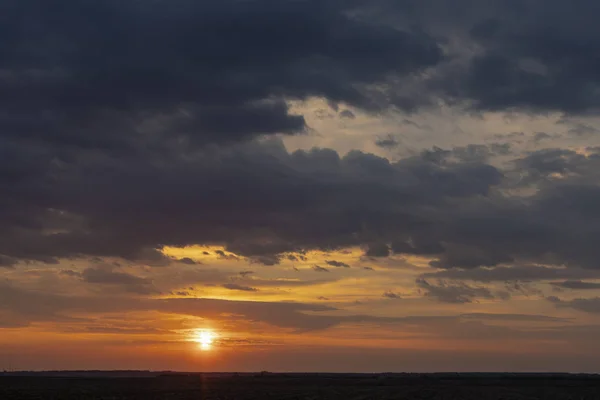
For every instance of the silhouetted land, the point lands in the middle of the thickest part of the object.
(148, 386)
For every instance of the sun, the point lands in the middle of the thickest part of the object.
(205, 338)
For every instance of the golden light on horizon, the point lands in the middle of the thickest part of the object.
(205, 338)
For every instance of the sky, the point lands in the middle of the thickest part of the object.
(312, 185)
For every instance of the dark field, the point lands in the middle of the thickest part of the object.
(305, 386)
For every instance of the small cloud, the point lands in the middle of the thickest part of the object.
(206, 253)
(266, 259)
(378, 250)
(246, 273)
(391, 295)
(235, 286)
(296, 257)
(334, 263)
(347, 114)
(407, 121)
(322, 298)
(553, 299)
(388, 142)
(457, 293)
(583, 130)
(187, 260)
(539, 136)
(320, 269)
(368, 268)
(225, 256)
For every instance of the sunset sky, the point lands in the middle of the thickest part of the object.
(300, 185)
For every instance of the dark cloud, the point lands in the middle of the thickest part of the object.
(514, 317)
(591, 305)
(212, 71)
(347, 114)
(418, 245)
(539, 136)
(515, 273)
(378, 250)
(71, 273)
(458, 292)
(187, 260)
(503, 56)
(391, 295)
(116, 115)
(430, 204)
(7, 262)
(107, 275)
(334, 263)
(528, 62)
(235, 286)
(387, 142)
(270, 259)
(226, 256)
(576, 284)
(287, 206)
(320, 269)
(451, 210)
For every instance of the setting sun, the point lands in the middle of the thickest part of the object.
(205, 338)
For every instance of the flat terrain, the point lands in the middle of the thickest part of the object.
(303, 386)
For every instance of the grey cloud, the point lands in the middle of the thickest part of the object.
(108, 276)
(539, 136)
(7, 262)
(278, 283)
(105, 275)
(514, 317)
(71, 273)
(453, 292)
(590, 305)
(266, 259)
(388, 142)
(159, 134)
(212, 71)
(187, 260)
(515, 273)
(27, 306)
(531, 62)
(503, 56)
(391, 295)
(378, 250)
(427, 204)
(347, 114)
(334, 263)
(576, 284)
(235, 286)
(320, 269)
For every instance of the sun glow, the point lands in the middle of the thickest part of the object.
(205, 338)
